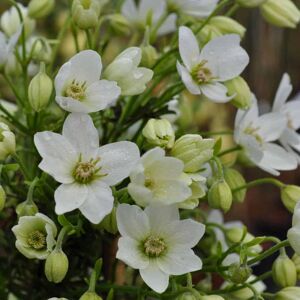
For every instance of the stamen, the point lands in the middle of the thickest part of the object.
(202, 74)
(76, 90)
(154, 246)
(37, 240)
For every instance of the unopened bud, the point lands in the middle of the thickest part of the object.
(109, 223)
(119, 24)
(40, 90)
(239, 273)
(211, 297)
(239, 87)
(234, 234)
(7, 141)
(220, 196)
(90, 296)
(2, 198)
(289, 293)
(149, 56)
(26, 208)
(227, 25)
(250, 3)
(186, 296)
(40, 8)
(296, 261)
(235, 180)
(290, 195)
(208, 33)
(56, 266)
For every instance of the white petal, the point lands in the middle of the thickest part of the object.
(225, 57)
(134, 54)
(294, 238)
(198, 8)
(156, 7)
(130, 254)
(73, 106)
(293, 110)
(290, 137)
(156, 279)
(187, 79)
(118, 160)
(99, 202)
(80, 131)
(215, 92)
(188, 47)
(168, 26)
(132, 222)
(151, 156)
(69, 197)
(62, 78)
(284, 90)
(129, 10)
(140, 194)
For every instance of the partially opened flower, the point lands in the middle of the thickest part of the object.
(294, 233)
(35, 236)
(289, 138)
(203, 72)
(158, 243)
(257, 134)
(149, 12)
(125, 71)
(78, 85)
(159, 179)
(85, 170)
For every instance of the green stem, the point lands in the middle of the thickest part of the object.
(234, 149)
(61, 237)
(89, 38)
(31, 190)
(257, 182)
(22, 166)
(233, 10)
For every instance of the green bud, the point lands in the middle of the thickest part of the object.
(296, 261)
(40, 90)
(240, 88)
(194, 151)
(109, 223)
(40, 8)
(290, 195)
(7, 141)
(289, 293)
(149, 56)
(56, 266)
(211, 297)
(208, 33)
(284, 271)
(239, 273)
(283, 13)
(234, 234)
(90, 296)
(186, 296)
(2, 198)
(26, 208)
(235, 179)
(250, 3)
(159, 132)
(220, 196)
(119, 24)
(227, 25)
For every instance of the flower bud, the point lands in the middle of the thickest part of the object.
(220, 196)
(250, 3)
(211, 297)
(186, 296)
(284, 271)
(239, 87)
(208, 33)
(40, 90)
(149, 56)
(26, 208)
(56, 266)
(40, 8)
(7, 141)
(283, 13)
(90, 296)
(290, 195)
(40, 49)
(194, 151)
(2, 198)
(235, 179)
(227, 25)
(289, 293)
(109, 223)
(296, 261)
(119, 24)
(239, 273)
(159, 132)
(234, 234)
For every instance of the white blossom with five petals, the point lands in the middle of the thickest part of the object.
(84, 170)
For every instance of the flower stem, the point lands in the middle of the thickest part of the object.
(234, 149)
(253, 183)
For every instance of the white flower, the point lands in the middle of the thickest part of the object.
(157, 243)
(85, 170)
(220, 60)
(153, 9)
(7, 46)
(195, 8)
(125, 71)
(78, 85)
(289, 138)
(294, 233)
(159, 179)
(7, 141)
(256, 134)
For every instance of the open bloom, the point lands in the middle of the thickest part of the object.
(85, 170)
(125, 71)
(35, 236)
(78, 85)
(158, 243)
(256, 134)
(149, 10)
(159, 179)
(294, 233)
(203, 71)
(289, 138)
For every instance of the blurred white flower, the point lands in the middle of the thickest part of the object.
(125, 71)
(158, 243)
(85, 170)
(7, 46)
(159, 179)
(203, 71)
(294, 233)
(7, 141)
(289, 138)
(78, 85)
(257, 134)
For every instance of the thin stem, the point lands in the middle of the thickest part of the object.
(257, 182)
(233, 10)
(61, 237)
(31, 190)
(89, 39)
(234, 149)
(22, 166)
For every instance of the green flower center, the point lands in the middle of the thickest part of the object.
(37, 240)
(202, 74)
(253, 131)
(76, 90)
(154, 246)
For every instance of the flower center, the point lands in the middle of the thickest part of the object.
(76, 90)
(154, 246)
(202, 74)
(85, 172)
(37, 240)
(253, 131)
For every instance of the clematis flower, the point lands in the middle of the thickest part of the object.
(289, 138)
(158, 243)
(149, 12)
(78, 85)
(195, 8)
(203, 71)
(125, 71)
(159, 179)
(7, 46)
(85, 170)
(257, 134)
(294, 233)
